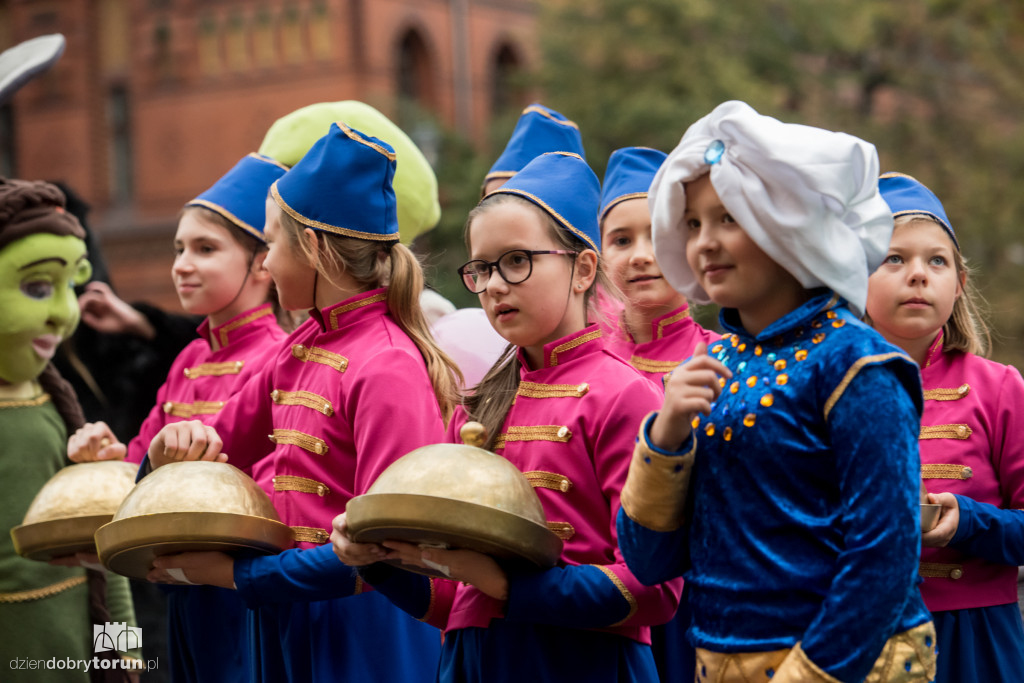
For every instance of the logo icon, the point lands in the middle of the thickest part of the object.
(117, 635)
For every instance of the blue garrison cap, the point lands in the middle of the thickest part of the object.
(241, 194)
(907, 196)
(343, 185)
(566, 189)
(538, 130)
(629, 175)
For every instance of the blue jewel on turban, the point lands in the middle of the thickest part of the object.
(713, 154)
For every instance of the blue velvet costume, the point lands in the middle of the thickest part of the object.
(802, 520)
(312, 617)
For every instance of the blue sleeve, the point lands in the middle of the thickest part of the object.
(653, 556)
(873, 429)
(989, 532)
(410, 592)
(295, 575)
(572, 597)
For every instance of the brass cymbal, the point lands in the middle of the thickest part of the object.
(457, 496)
(190, 506)
(77, 500)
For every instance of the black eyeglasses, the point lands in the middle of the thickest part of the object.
(513, 266)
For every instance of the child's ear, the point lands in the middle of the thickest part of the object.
(962, 282)
(258, 270)
(312, 246)
(586, 270)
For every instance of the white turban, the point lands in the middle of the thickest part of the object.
(808, 198)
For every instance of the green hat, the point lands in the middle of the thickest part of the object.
(415, 184)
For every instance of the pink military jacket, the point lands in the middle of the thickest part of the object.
(347, 394)
(673, 338)
(972, 444)
(209, 371)
(571, 430)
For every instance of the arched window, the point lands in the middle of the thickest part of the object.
(415, 72)
(506, 89)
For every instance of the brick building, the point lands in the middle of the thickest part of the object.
(154, 99)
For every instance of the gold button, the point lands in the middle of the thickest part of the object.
(563, 432)
(780, 364)
(168, 407)
(188, 373)
(956, 574)
(272, 438)
(320, 448)
(564, 485)
(968, 473)
(321, 490)
(749, 419)
(961, 431)
(239, 364)
(963, 389)
(299, 351)
(583, 388)
(275, 394)
(727, 434)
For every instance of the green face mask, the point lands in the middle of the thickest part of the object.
(38, 307)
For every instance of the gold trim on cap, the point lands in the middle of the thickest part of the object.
(618, 200)
(221, 211)
(535, 109)
(549, 209)
(327, 227)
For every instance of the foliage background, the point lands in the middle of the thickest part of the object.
(936, 85)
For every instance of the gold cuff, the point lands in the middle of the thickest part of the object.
(654, 495)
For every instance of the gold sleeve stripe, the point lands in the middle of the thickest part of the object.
(648, 365)
(946, 472)
(231, 367)
(310, 534)
(535, 433)
(26, 403)
(44, 592)
(303, 398)
(287, 482)
(951, 431)
(573, 343)
(852, 372)
(630, 598)
(537, 390)
(564, 530)
(314, 354)
(540, 479)
(379, 296)
(954, 394)
(292, 437)
(187, 410)
(668, 321)
(222, 333)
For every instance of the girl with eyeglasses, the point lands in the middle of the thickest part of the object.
(561, 408)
